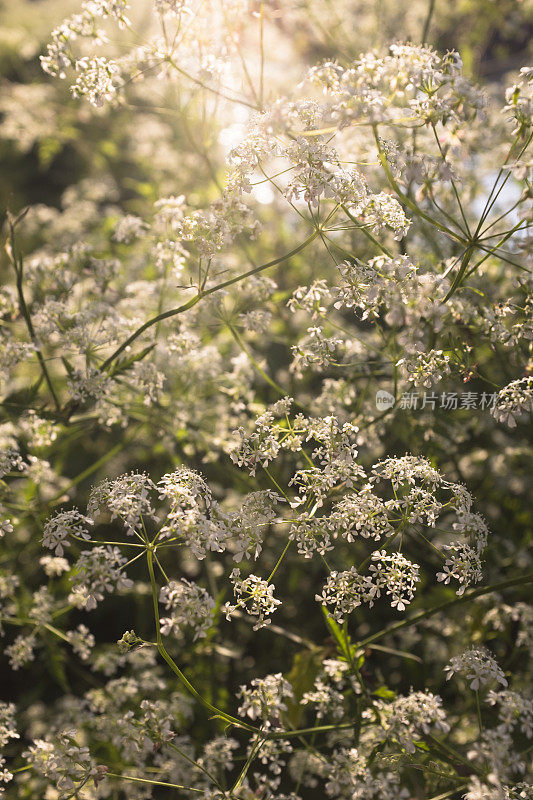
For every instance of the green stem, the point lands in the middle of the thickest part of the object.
(196, 299)
(427, 23)
(450, 792)
(19, 271)
(153, 783)
(466, 598)
(280, 559)
(255, 749)
(174, 667)
(478, 709)
(342, 726)
(407, 200)
(367, 233)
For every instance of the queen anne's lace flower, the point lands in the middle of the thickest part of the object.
(96, 80)
(255, 595)
(190, 605)
(478, 667)
(362, 515)
(520, 101)
(21, 652)
(82, 641)
(409, 718)
(348, 776)
(10, 459)
(8, 731)
(249, 523)
(514, 401)
(98, 571)
(64, 524)
(101, 291)
(311, 298)
(128, 228)
(345, 591)
(265, 698)
(425, 369)
(423, 83)
(193, 515)
(396, 575)
(62, 760)
(126, 497)
(514, 710)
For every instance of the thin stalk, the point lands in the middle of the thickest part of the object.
(19, 271)
(465, 598)
(242, 775)
(196, 299)
(407, 200)
(427, 22)
(478, 709)
(367, 233)
(174, 667)
(278, 562)
(454, 187)
(153, 783)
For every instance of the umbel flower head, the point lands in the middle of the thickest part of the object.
(478, 666)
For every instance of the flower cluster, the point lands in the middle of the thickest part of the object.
(62, 760)
(266, 698)
(514, 401)
(64, 524)
(239, 237)
(408, 719)
(190, 606)
(478, 666)
(7, 731)
(409, 84)
(126, 498)
(98, 572)
(255, 595)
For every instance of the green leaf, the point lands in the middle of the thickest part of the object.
(305, 667)
(384, 693)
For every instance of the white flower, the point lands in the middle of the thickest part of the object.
(62, 761)
(66, 523)
(82, 641)
(253, 594)
(477, 666)
(514, 401)
(54, 565)
(126, 497)
(21, 652)
(191, 606)
(97, 80)
(266, 697)
(408, 718)
(397, 575)
(128, 228)
(345, 591)
(98, 571)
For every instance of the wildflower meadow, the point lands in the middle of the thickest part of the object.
(266, 384)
